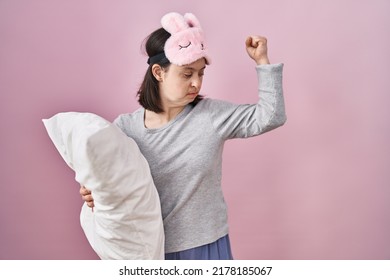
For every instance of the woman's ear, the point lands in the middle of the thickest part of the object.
(157, 72)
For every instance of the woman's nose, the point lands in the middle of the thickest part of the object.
(196, 82)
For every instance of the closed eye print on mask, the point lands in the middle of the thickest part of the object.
(184, 47)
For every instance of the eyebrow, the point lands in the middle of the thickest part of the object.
(192, 68)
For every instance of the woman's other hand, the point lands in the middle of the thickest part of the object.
(86, 195)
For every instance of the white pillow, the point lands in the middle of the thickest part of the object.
(126, 222)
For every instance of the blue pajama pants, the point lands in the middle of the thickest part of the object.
(218, 250)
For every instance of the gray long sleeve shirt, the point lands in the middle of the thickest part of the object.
(185, 157)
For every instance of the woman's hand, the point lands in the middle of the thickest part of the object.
(86, 195)
(256, 46)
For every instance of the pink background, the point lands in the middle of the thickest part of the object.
(317, 188)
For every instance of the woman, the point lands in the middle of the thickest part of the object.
(182, 134)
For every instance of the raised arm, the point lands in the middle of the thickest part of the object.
(246, 120)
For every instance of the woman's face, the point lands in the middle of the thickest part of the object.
(180, 85)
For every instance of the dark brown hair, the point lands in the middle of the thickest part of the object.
(148, 93)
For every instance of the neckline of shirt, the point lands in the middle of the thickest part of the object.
(184, 112)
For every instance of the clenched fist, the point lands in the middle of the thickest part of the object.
(256, 46)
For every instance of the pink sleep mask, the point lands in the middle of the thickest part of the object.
(186, 44)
